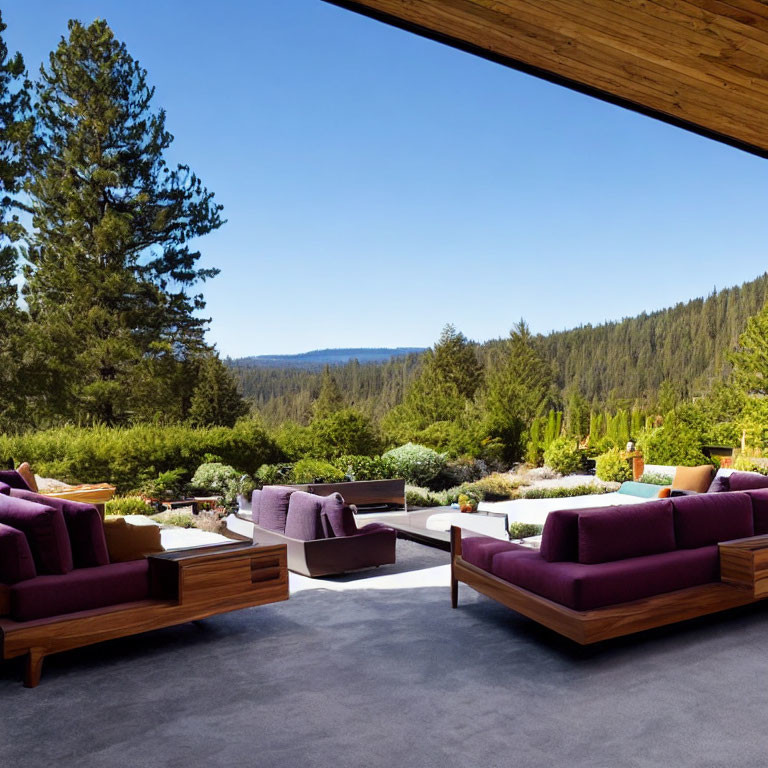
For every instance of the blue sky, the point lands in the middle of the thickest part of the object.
(378, 185)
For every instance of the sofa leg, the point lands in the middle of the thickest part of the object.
(454, 593)
(34, 667)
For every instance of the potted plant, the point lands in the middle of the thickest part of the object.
(468, 502)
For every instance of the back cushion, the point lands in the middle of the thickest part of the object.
(12, 478)
(45, 530)
(706, 519)
(303, 520)
(273, 507)
(16, 562)
(693, 478)
(84, 526)
(617, 533)
(739, 481)
(338, 517)
(560, 537)
(255, 505)
(759, 499)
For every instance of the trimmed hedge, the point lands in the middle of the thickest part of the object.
(130, 456)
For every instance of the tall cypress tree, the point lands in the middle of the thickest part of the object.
(110, 261)
(15, 134)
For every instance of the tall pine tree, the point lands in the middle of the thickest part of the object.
(215, 401)
(15, 134)
(110, 260)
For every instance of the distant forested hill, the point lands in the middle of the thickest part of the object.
(319, 358)
(615, 362)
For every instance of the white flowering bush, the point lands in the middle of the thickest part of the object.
(216, 479)
(414, 463)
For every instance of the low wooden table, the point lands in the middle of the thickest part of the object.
(185, 585)
(744, 563)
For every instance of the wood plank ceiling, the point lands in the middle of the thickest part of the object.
(699, 64)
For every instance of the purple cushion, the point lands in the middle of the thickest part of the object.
(584, 587)
(720, 484)
(709, 518)
(13, 479)
(273, 507)
(16, 562)
(303, 520)
(560, 537)
(480, 550)
(45, 530)
(616, 533)
(84, 526)
(80, 590)
(255, 505)
(5, 489)
(338, 517)
(739, 481)
(759, 500)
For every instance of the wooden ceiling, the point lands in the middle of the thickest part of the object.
(699, 64)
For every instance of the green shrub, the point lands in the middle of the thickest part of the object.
(564, 492)
(128, 505)
(563, 455)
(746, 463)
(675, 443)
(423, 497)
(362, 467)
(315, 471)
(175, 518)
(459, 471)
(166, 486)
(414, 463)
(610, 466)
(217, 479)
(344, 432)
(272, 474)
(495, 487)
(524, 530)
(655, 478)
(130, 456)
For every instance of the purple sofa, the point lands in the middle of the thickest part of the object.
(320, 532)
(593, 560)
(54, 560)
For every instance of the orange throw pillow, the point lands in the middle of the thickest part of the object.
(664, 492)
(28, 476)
(693, 478)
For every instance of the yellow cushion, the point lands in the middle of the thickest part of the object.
(126, 541)
(693, 478)
(28, 476)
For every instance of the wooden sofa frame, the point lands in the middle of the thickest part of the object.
(361, 492)
(185, 585)
(586, 627)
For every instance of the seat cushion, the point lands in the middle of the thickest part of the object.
(693, 478)
(130, 538)
(80, 590)
(616, 533)
(255, 505)
(706, 519)
(739, 481)
(560, 537)
(759, 499)
(303, 519)
(16, 562)
(45, 530)
(273, 507)
(480, 550)
(338, 517)
(13, 479)
(84, 526)
(584, 587)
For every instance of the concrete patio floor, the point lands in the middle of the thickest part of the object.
(351, 677)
